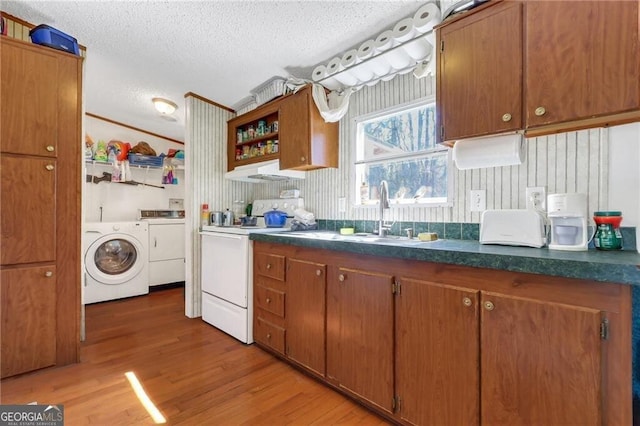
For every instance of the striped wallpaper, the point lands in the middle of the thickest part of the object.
(568, 162)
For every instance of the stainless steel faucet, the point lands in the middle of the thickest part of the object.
(384, 204)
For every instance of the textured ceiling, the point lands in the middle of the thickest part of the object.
(221, 50)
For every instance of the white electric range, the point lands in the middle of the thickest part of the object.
(227, 269)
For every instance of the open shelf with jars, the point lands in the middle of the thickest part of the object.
(289, 129)
(255, 138)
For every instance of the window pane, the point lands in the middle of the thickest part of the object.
(403, 132)
(409, 180)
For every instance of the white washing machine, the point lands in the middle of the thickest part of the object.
(116, 260)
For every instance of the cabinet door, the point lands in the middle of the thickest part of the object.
(582, 59)
(29, 92)
(541, 363)
(437, 354)
(295, 131)
(360, 334)
(479, 75)
(29, 209)
(305, 314)
(28, 319)
(166, 241)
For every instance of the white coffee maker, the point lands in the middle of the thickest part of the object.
(568, 216)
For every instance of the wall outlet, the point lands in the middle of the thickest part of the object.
(478, 199)
(342, 205)
(537, 198)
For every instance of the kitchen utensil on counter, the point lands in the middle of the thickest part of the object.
(275, 218)
(248, 221)
(607, 236)
(217, 218)
(568, 216)
(513, 227)
(228, 218)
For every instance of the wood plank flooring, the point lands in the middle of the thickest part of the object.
(193, 373)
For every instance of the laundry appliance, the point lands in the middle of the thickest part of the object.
(116, 260)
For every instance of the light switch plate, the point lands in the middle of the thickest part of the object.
(176, 203)
(478, 199)
(342, 205)
(536, 198)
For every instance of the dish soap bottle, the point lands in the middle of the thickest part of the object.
(364, 193)
(204, 215)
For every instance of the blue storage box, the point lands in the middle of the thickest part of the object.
(145, 160)
(50, 37)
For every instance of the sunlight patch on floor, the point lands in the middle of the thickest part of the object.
(144, 398)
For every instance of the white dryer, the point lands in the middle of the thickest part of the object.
(116, 260)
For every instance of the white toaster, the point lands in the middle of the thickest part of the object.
(513, 228)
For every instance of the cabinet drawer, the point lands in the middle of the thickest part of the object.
(270, 300)
(270, 265)
(269, 334)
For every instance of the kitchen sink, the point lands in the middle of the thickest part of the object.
(364, 238)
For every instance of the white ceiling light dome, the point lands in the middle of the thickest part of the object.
(164, 106)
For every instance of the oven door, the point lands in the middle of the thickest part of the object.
(226, 266)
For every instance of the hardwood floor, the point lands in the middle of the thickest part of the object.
(193, 373)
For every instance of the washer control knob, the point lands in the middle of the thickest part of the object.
(116, 227)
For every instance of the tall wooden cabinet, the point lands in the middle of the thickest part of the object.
(540, 67)
(40, 144)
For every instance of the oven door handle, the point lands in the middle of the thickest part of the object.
(229, 236)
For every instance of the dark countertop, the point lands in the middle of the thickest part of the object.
(608, 266)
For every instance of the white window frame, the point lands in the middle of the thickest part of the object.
(419, 203)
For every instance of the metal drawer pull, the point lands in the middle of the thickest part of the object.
(48, 274)
(268, 335)
(268, 266)
(318, 272)
(49, 167)
(341, 277)
(302, 159)
(506, 117)
(489, 306)
(50, 148)
(540, 111)
(466, 301)
(268, 300)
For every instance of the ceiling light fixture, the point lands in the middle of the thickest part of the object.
(164, 106)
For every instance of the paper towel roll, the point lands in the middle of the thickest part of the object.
(397, 58)
(492, 151)
(419, 49)
(404, 30)
(332, 84)
(362, 71)
(384, 41)
(366, 49)
(378, 64)
(319, 73)
(333, 66)
(349, 58)
(426, 18)
(346, 78)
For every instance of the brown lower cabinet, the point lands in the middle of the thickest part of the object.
(423, 343)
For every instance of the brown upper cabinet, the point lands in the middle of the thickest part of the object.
(542, 67)
(31, 84)
(295, 133)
